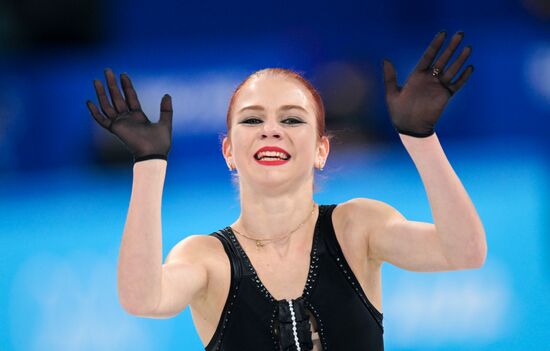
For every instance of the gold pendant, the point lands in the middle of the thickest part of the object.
(259, 244)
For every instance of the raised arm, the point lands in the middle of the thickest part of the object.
(457, 239)
(146, 287)
(140, 256)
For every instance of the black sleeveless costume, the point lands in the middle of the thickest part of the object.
(253, 320)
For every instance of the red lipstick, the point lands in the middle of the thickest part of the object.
(272, 161)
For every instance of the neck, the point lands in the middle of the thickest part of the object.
(275, 215)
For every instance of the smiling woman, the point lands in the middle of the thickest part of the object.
(282, 97)
(290, 274)
(287, 74)
(276, 138)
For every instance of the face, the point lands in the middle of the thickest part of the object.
(277, 112)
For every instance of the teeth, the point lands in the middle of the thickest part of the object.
(281, 155)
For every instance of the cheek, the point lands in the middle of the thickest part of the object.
(241, 145)
(305, 149)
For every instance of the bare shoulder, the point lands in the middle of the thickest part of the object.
(362, 216)
(200, 250)
(368, 213)
(196, 247)
(350, 227)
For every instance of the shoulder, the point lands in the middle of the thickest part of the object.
(362, 210)
(363, 216)
(197, 248)
(205, 253)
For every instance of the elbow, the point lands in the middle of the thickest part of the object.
(135, 308)
(478, 258)
(477, 262)
(130, 309)
(473, 259)
(471, 263)
(137, 301)
(478, 251)
(482, 253)
(480, 261)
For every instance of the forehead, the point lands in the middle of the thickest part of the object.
(273, 92)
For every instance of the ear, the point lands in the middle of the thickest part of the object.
(323, 149)
(226, 147)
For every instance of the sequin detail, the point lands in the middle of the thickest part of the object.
(348, 273)
(233, 293)
(321, 329)
(313, 264)
(310, 282)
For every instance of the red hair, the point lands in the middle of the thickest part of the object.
(290, 74)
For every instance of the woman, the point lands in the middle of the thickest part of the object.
(289, 274)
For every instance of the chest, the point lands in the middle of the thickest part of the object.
(285, 279)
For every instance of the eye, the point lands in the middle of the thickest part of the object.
(293, 120)
(249, 120)
(290, 120)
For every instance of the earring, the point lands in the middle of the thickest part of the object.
(321, 165)
(229, 165)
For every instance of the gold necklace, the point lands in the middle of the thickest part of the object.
(259, 243)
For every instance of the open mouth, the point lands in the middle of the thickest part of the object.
(271, 156)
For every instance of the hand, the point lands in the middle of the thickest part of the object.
(415, 108)
(126, 120)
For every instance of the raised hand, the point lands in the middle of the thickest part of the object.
(415, 108)
(125, 119)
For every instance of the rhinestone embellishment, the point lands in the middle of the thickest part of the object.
(320, 324)
(233, 293)
(313, 266)
(347, 272)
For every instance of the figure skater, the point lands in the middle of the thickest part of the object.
(291, 274)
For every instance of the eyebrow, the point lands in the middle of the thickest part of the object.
(284, 107)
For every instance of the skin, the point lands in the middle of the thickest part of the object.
(274, 199)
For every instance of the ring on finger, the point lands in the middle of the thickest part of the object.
(435, 71)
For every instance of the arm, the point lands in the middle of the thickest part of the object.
(140, 256)
(456, 220)
(146, 287)
(455, 241)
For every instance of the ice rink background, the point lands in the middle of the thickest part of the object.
(66, 183)
(62, 231)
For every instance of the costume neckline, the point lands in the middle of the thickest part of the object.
(313, 261)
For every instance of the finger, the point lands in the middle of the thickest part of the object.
(449, 51)
(426, 60)
(455, 66)
(116, 96)
(98, 116)
(104, 103)
(390, 78)
(129, 92)
(462, 79)
(166, 110)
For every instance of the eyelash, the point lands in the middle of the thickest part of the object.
(295, 120)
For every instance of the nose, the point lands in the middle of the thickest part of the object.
(271, 128)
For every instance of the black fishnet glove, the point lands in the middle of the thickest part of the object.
(126, 120)
(415, 108)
